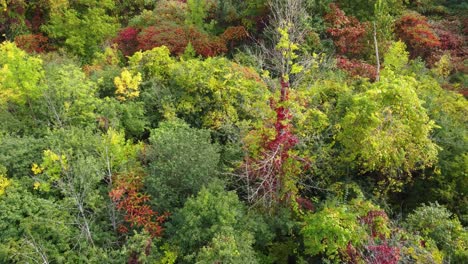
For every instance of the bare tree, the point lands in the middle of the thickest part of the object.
(278, 54)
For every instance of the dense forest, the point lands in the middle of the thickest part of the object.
(233, 131)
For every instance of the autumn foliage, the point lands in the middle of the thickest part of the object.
(357, 68)
(127, 40)
(175, 37)
(418, 34)
(347, 32)
(134, 204)
(32, 43)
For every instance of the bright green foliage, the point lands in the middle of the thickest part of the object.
(210, 223)
(20, 75)
(118, 154)
(387, 130)
(154, 63)
(329, 230)
(33, 229)
(197, 12)
(288, 51)
(228, 247)
(70, 97)
(435, 222)
(181, 160)
(443, 67)
(448, 183)
(83, 26)
(208, 93)
(396, 58)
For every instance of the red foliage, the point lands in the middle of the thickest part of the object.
(353, 255)
(32, 43)
(127, 40)
(369, 220)
(448, 39)
(235, 34)
(170, 35)
(134, 204)
(205, 45)
(418, 35)
(37, 20)
(357, 68)
(305, 204)
(347, 32)
(266, 172)
(176, 38)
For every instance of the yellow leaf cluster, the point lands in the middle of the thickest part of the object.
(36, 169)
(4, 183)
(127, 85)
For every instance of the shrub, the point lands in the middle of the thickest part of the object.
(32, 43)
(419, 36)
(435, 222)
(127, 40)
(357, 68)
(177, 37)
(347, 32)
(181, 160)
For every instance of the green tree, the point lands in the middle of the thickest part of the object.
(207, 93)
(181, 161)
(434, 221)
(212, 227)
(69, 95)
(72, 25)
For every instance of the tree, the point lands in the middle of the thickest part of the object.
(21, 75)
(271, 176)
(69, 96)
(434, 221)
(207, 93)
(209, 223)
(71, 25)
(181, 161)
(387, 130)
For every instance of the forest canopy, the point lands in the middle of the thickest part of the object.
(229, 131)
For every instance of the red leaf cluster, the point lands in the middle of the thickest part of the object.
(134, 204)
(204, 44)
(173, 36)
(357, 68)
(235, 34)
(418, 34)
(347, 32)
(127, 40)
(169, 35)
(32, 43)
(369, 220)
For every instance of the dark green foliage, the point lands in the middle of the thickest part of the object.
(181, 160)
(212, 227)
(18, 153)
